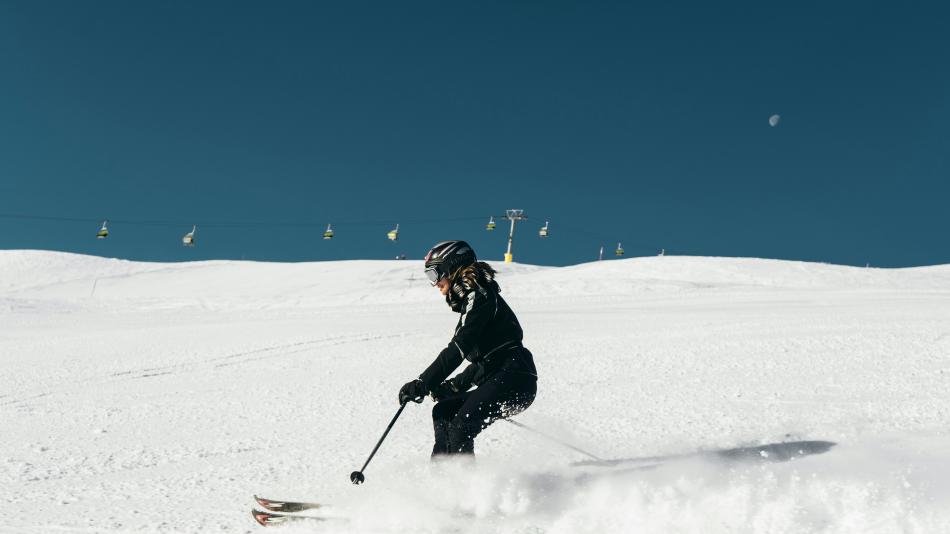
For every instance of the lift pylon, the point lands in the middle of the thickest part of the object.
(513, 216)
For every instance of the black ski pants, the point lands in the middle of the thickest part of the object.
(457, 420)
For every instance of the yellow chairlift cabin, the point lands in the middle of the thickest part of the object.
(189, 239)
(491, 224)
(103, 232)
(619, 251)
(328, 234)
(543, 232)
(394, 233)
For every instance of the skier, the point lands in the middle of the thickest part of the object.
(489, 336)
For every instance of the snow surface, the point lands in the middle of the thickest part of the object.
(152, 398)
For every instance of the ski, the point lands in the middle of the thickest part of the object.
(269, 519)
(286, 506)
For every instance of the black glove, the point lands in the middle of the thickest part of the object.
(441, 391)
(445, 390)
(413, 391)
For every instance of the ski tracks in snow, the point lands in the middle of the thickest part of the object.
(238, 358)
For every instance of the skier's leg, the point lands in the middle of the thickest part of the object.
(442, 414)
(503, 396)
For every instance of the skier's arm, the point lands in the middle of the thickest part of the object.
(456, 385)
(444, 364)
(463, 381)
(479, 309)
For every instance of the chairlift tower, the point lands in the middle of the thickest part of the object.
(189, 239)
(513, 216)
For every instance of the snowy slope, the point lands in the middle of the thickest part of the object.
(132, 393)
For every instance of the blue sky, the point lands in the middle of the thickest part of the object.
(263, 121)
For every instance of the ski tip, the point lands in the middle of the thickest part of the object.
(286, 506)
(267, 519)
(263, 518)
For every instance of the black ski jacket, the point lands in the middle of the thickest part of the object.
(488, 335)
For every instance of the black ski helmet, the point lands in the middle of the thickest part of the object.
(447, 257)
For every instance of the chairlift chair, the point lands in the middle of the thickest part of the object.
(328, 234)
(491, 224)
(103, 232)
(189, 239)
(619, 251)
(394, 233)
(544, 230)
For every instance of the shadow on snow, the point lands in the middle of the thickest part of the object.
(772, 452)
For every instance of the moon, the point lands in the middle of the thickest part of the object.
(773, 120)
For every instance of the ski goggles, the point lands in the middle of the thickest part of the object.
(433, 275)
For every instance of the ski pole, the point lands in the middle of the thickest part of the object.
(554, 439)
(357, 477)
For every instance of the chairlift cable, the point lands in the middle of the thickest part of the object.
(225, 224)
